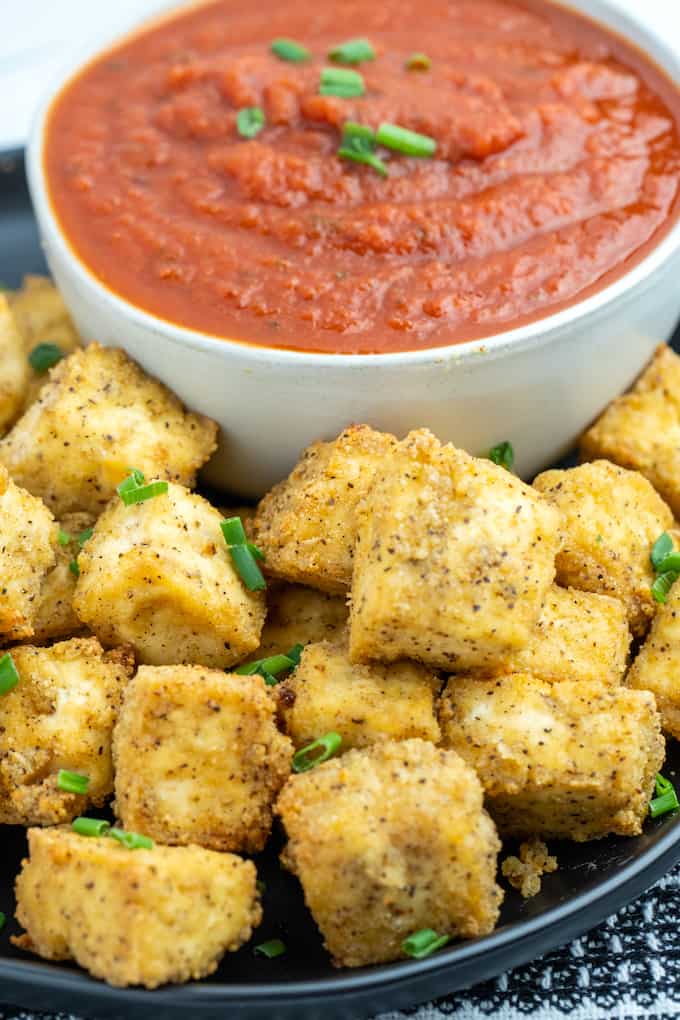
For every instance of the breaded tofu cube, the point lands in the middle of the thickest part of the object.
(28, 544)
(389, 840)
(198, 758)
(96, 417)
(133, 917)
(579, 636)
(55, 616)
(611, 519)
(59, 716)
(363, 702)
(158, 575)
(453, 561)
(300, 615)
(570, 760)
(306, 525)
(13, 366)
(641, 429)
(657, 666)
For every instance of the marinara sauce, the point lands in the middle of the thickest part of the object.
(556, 169)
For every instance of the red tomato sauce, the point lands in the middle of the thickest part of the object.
(556, 170)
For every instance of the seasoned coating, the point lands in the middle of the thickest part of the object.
(41, 317)
(364, 703)
(198, 758)
(55, 616)
(133, 917)
(300, 615)
(454, 558)
(579, 636)
(657, 666)
(97, 416)
(611, 518)
(13, 366)
(389, 840)
(573, 760)
(59, 716)
(28, 543)
(306, 525)
(641, 429)
(159, 576)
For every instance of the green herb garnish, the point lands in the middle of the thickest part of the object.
(666, 798)
(662, 586)
(288, 49)
(662, 548)
(423, 943)
(317, 752)
(271, 949)
(90, 826)
(134, 490)
(72, 782)
(354, 51)
(503, 454)
(9, 677)
(244, 554)
(408, 143)
(131, 840)
(250, 121)
(44, 356)
(339, 81)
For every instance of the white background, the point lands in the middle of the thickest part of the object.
(37, 37)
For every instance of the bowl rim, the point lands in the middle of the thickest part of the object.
(541, 331)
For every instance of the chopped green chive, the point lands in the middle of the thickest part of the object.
(271, 949)
(249, 121)
(338, 81)
(409, 143)
(72, 782)
(271, 667)
(418, 62)
(244, 554)
(666, 798)
(63, 537)
(131, 840)
(144, 492)
(354, 51)
(261, 886)
(662, 586)
(662, 548)
(288, 49)
(318, 751)
(84, 536)
(2, 920)
(670, 563)
(44, 356)
(503, 454)
(90, 826)
(359, 135)
(295, 653)
(9, 676)
(74, 567)
(358, 144)
(362, 156)
(422, 943)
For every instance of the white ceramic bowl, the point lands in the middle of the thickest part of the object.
(538, 386)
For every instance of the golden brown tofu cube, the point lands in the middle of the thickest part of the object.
(59, 716)
(579, 636)
(300, 615)
(381, 854)
(97, 416)
(641, 429)
(570, 760)
(364, 703)
(657, 666)
(55, 616)
(611, 519)
(133, 917)
(453, 560)
(199, 758)
(306, 525)
(13, 366)
(159, 576)
(28, 542)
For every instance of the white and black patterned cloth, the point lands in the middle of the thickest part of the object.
(627, 969)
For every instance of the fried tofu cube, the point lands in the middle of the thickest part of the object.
(97, 416)
(611, 519)
(133, 917)
(300, 615)
(55, 616)
(13, 366)
(199, 758)
(570, 760)
(59, 716)
(28, 543)
(365, 703)
(453, 561)
(657, 666)
(389, 840)
(641, 429)
(579, 636)
(306, 525)
(159, 576)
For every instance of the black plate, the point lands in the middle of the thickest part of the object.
(593, 880)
